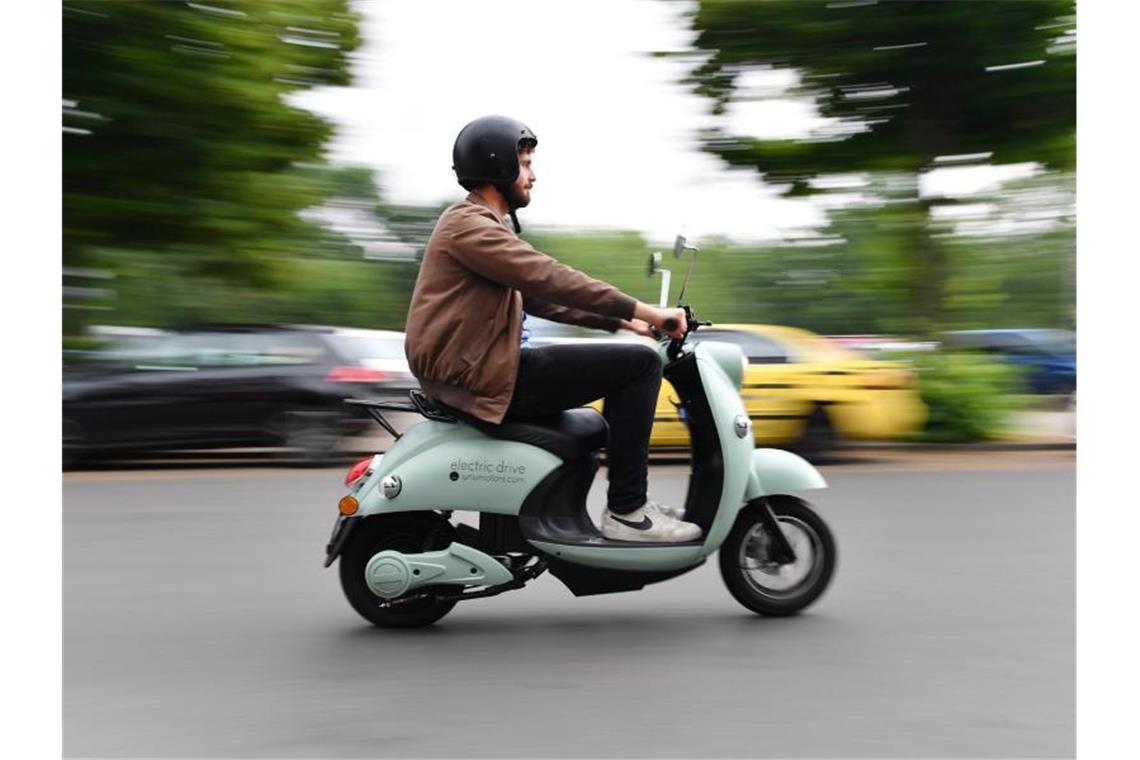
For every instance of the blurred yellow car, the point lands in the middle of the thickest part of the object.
(805, 391)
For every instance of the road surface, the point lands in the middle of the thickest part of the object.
(198, 621)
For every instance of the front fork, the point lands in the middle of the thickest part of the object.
(779, 550)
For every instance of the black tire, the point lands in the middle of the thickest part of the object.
(409, 533)
(756, 583)
(817, 441)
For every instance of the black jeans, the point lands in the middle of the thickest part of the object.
(626, 375)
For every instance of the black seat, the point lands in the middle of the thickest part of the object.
(569, 435)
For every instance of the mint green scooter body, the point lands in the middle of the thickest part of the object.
(442, 465)
(449, 466)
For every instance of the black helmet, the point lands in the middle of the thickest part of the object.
(486, 151)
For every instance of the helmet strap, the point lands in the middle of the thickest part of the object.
(505, 191)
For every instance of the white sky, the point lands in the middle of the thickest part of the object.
(615, 129)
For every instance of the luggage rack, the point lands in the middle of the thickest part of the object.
(419, 404)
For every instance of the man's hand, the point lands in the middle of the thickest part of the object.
(639, 326)
(657, 317)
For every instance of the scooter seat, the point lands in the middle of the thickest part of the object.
(569, 435)
(573, 434)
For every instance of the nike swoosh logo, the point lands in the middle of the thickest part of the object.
(644, 524)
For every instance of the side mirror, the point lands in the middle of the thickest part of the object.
(654, 263)
(679, 246)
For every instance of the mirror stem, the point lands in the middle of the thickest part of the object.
(665, 275)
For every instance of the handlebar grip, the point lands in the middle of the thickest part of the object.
(670, 325)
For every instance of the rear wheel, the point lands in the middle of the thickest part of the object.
(407, 533)
(767, 587)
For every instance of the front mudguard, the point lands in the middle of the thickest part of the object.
(341, 531)
(775, 471)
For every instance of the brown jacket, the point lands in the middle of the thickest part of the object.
(465, 318)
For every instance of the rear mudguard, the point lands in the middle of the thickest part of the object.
(777, 471)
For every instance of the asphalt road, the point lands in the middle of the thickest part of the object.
(199, 622)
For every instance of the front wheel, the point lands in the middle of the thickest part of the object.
(763, 585)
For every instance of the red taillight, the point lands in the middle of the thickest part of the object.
(357, 471)
(356, 375)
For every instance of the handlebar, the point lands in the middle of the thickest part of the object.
(675, 345)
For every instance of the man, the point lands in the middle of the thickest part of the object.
(465, 327)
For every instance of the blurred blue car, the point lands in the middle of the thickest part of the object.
(1049, 356)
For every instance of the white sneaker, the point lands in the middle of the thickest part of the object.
(675, 512)
(648, 522)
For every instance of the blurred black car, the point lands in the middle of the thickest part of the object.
(229, 386)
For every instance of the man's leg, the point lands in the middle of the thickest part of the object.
(627, 376)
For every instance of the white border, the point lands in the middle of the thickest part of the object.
(1107, 247)
(32, 515)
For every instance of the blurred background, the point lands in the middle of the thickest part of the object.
(882, 195)
(243, 178)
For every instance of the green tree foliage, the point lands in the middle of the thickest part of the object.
(904, 81)
(179, 147)
(968, 396)
(619, 258)
(1011, 256)
(901, 84)
(320, 275)
(854, 280)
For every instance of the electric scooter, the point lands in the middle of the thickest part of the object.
(405, 564)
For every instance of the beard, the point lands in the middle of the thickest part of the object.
(517, 197)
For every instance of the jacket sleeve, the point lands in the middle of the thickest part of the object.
(481, 243)
(569, 316)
